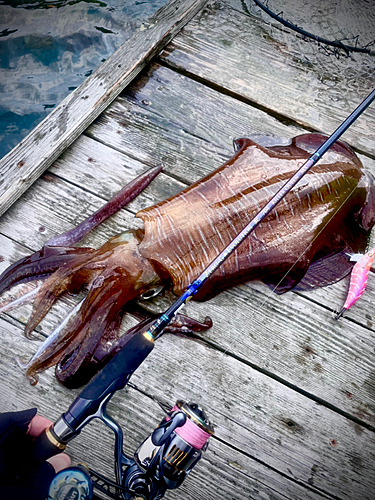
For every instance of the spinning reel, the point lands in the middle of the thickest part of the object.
(164, 460)
(161, 462)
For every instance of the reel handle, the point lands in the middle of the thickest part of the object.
(162, 433)
(114, 376)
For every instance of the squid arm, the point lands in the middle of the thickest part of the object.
(58, 251)
(91, 353)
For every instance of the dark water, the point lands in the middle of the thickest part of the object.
(47, 48)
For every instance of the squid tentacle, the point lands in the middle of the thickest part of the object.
(118, 201)
(116, 274)
(112, 285)
(58, 251)
(53, 287)
(40, 264)
(50, 351)
(75, 369)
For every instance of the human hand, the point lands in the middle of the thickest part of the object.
(19, 477)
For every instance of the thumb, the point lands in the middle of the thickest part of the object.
(60, 462)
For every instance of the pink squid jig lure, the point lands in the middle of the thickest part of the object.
(358, 279)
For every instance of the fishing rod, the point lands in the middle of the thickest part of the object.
(154, 475)
(157, 327)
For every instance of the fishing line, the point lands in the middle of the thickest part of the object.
(337, 44)
(272, 290)
(253, 318)
(191, 432)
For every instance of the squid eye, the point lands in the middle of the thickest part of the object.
(151, 293)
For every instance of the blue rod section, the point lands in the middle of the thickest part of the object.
(159, 324)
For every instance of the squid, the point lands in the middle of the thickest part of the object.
(305, 242)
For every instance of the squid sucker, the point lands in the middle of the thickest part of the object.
(304, 243)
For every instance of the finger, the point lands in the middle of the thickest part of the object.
(37, 425)
(60, 462)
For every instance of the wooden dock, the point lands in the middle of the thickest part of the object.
(291, 391)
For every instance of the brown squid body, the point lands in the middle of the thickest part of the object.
(327, 216)
(331, 210)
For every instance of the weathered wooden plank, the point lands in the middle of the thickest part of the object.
(25, 163)
(191, 145)
(333, 298)
(351, 21)
(256, 417)
(55, 206)
(302, 362)
(275, 442)
(204, 387)
(167, 118)
(330, 378)
(103, 171)
(160, 108)
(296, 341)
(276, 70)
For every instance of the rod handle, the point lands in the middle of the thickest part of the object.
(46, 446)
(113, 377)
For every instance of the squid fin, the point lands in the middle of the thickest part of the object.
(326, 271)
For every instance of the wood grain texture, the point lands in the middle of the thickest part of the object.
(257, 416)
(26, 162)
(352, 22)
(273, 68)
(132, 124)
(291, 391)
(188, 127)
(317, 354)
(261, 426)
